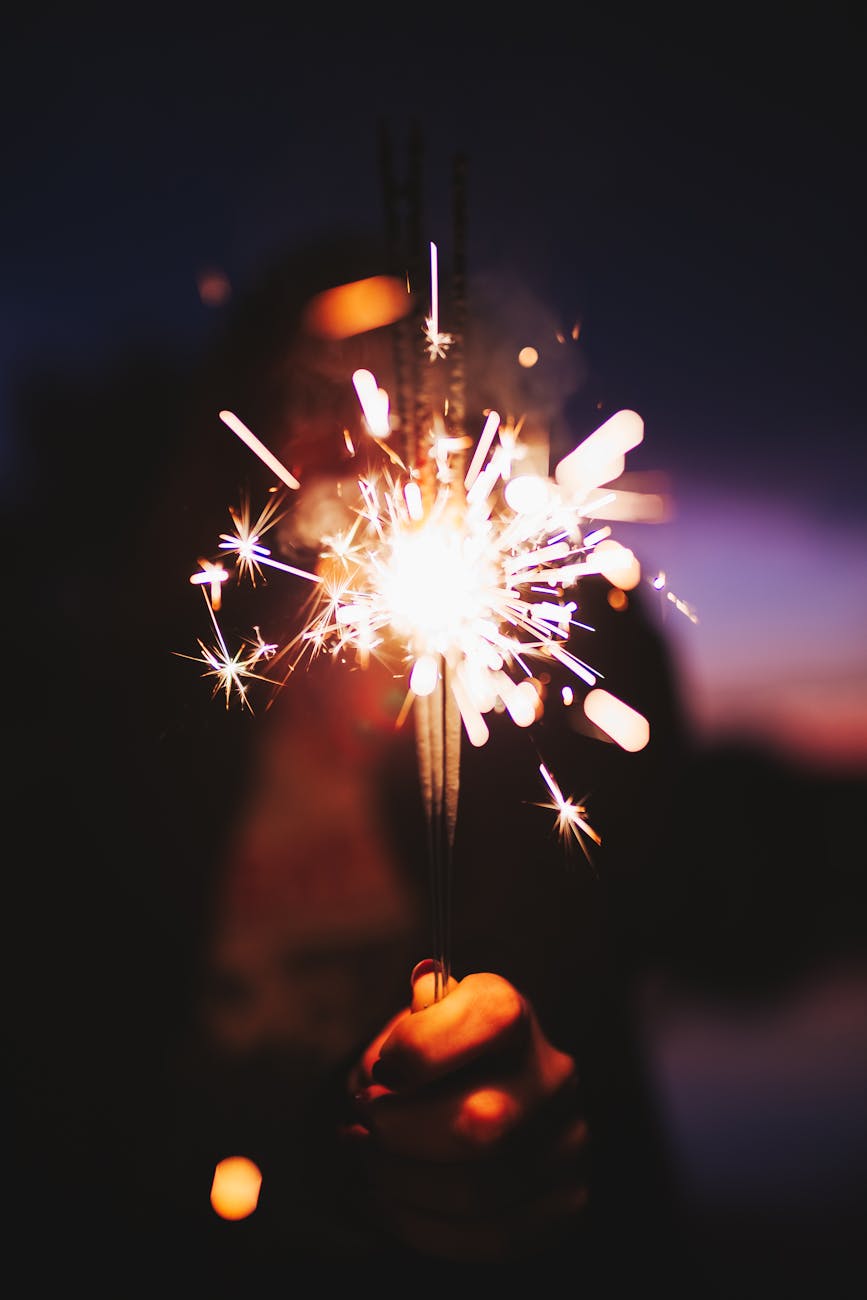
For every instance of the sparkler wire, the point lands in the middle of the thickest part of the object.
(438, 738)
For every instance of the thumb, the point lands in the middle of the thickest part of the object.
(428, 985)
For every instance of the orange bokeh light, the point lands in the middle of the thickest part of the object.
(235, 1188)
(350, 309)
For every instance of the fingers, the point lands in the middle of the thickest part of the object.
(444, 1127)
(427, 985)
(361, 1075)
(464, 1119)
(452, 1079)
(469, 1124)
(482, 1014)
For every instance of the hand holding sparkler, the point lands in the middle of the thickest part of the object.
(470, 1123)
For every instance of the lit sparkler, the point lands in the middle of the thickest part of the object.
(571, 816)
(462, 573)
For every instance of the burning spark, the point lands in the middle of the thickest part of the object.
(230, 670)
(251, 555)
(571, 817)
(437, 342)
(214, 575)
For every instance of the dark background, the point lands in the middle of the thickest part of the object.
(691, 193)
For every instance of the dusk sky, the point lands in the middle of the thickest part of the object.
(692, 196)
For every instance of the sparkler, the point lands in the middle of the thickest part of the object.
(463, 574)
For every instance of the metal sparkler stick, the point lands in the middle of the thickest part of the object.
(437, 716)
(438, 740)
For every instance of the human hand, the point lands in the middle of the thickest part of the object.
(469, 1124)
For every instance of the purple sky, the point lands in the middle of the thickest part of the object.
(779, 651)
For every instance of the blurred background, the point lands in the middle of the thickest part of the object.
(673, 212)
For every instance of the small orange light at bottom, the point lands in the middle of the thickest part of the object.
(235, 1187)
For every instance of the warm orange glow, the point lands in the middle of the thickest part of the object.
(354, 308)
(528, 357)
(628, 728)
(235, 1188)
(484, 1114)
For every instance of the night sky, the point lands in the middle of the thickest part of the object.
(691, 195)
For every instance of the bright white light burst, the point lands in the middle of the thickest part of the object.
(456, 573)
(467, 572)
